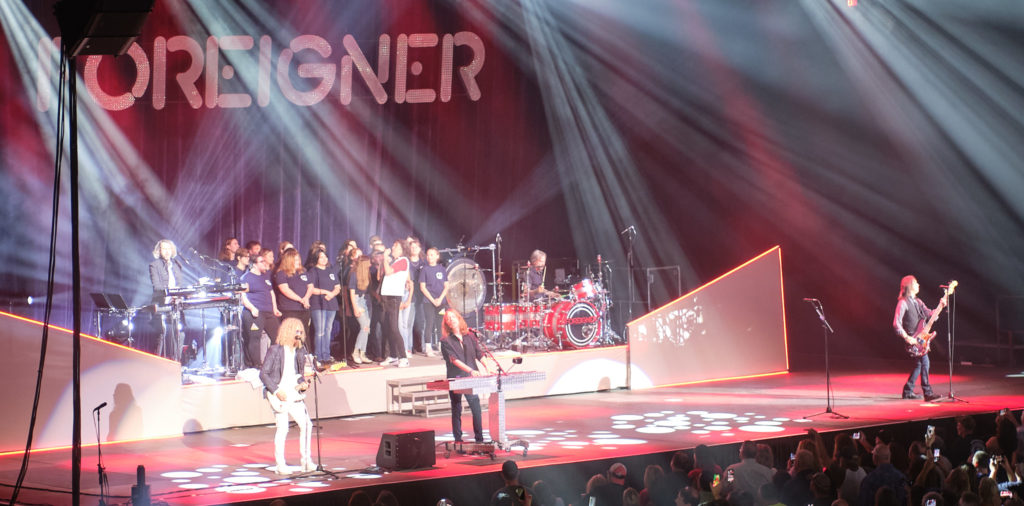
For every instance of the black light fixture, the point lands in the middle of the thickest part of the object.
(101, 27)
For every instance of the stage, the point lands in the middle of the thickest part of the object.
(582, 430)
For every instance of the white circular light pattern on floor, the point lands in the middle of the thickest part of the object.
(193, 486)
(761, 428)
(245, 480)
(654, 429)
(249, 478)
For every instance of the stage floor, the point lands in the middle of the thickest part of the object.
(231, 465)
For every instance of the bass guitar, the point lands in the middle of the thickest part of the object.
(924, 334)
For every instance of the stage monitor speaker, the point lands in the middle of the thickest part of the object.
(406, 450)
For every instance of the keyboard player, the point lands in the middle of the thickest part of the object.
(462, 353)
(165, 273)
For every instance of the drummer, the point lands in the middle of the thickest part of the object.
(535, 276)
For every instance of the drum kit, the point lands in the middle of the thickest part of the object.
(573, 316)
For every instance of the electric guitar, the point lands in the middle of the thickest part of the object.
(292, 395)
(924, 334)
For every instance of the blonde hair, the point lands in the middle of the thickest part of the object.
(156, 249)
(288, 263)
(289, 328)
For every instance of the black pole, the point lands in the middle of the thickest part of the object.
(826, 329)
(76, 288)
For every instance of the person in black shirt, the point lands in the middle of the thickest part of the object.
(461, 353)
(535, 276)
(165, 272)
(911, 312)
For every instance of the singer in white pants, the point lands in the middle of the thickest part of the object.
(297, 410)
(283, 377)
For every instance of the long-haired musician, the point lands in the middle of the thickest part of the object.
(284, 382)
(911, 313)
(462, 352)
(165, 272)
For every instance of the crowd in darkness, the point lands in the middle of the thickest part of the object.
(974, 463)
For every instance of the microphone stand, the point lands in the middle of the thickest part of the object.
(950, 336)
(826, 329)
(102, 471)
(316, 413)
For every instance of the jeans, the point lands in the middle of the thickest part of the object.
(431, 324)
(364, 322)
(375, 341)
(323, 322)
(406, 317)
(921, 366)
(474, 407)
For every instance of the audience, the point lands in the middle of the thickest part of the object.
(748, 475)
(513, 493)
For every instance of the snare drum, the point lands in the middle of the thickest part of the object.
(584, 290)
(574, 325)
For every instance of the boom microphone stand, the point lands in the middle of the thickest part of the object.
(316, 412)
(104, 485)
(826, 329)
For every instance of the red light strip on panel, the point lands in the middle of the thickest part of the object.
(87, 336)
(782, 293)
(730, 378)
(87, 445)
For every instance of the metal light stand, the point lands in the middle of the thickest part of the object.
(826, 329)
(631, 237)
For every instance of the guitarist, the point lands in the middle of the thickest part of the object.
(911, 314)
(285, 387)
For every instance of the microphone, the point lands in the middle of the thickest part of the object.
(97, 408)
(498, 238)
(598, 258)
(627, 229)
(810, 300)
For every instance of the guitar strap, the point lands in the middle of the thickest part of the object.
(922, 312)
